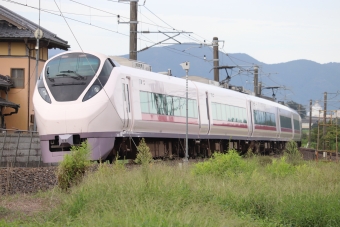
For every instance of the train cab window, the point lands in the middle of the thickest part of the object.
(106, 72)
(72, 64)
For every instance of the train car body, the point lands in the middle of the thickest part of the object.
(89, 96)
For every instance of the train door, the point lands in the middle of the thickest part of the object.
(250, 119)
(278, 123)
(208, 111)
(126, 104)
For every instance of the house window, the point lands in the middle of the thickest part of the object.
(17, 76)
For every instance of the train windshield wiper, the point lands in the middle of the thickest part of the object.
(63, 84)
(77, 77)
(50, 79)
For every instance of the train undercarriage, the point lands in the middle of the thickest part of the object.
(170, 148)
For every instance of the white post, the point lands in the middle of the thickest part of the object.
(186, 66)
(186, 116)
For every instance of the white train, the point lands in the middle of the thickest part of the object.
(89, 96)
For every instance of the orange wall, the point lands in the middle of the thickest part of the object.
(4, 48)
(18, 95)
(18, 49)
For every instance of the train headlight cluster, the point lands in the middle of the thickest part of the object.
(43, 93)
(94, 89)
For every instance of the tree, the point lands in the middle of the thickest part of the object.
(298, 107)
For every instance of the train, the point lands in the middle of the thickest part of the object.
(89, 96)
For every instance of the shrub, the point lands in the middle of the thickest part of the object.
(292, 153)
(73, 167)
(144, 155)
(280, 168)
(228, 164)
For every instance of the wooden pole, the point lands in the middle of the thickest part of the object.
(216, 60)
(133, 30)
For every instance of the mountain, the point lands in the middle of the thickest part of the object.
(301, 80)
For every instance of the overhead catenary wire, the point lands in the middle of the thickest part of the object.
(53, 12)
(143, 22)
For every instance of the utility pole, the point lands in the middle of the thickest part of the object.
(133, 29)
(256, 79)
(259, 89)
(324, 118)
(216, 60)
(310, 123)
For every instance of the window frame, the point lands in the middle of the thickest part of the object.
(23, 79)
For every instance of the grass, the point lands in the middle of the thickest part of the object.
(250, 192)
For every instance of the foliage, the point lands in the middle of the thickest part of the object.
(292, 153)
(307, 196)
(298, 107)
(221, 164)
(144, 155)
(329, 139)
(280, 167)
(73, 167)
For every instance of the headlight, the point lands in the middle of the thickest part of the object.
(43, 93)
(94, 89)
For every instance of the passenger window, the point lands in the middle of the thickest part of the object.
(144, 102)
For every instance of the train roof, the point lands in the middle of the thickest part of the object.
(201, 83)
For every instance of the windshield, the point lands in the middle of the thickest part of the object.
(74, 65)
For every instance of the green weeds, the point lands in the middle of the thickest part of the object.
(226, 190)
(73, 167)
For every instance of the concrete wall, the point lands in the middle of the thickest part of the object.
(20, 149)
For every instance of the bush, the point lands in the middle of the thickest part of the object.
(280, 168)
(292, 153)
(228, 164)
(73, 167)
(144, 155)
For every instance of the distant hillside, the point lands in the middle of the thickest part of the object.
(303, 79)
(53, 52)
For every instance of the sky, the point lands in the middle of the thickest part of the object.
(271, 31)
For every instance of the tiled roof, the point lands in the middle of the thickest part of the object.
(5, 103)
(14, 26)
(5, 82)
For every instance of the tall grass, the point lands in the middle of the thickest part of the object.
(121, 198)
(226, 190)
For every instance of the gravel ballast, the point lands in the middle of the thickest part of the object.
(27, 180)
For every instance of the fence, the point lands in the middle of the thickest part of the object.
(20, 149)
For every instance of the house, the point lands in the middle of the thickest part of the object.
(18, 61)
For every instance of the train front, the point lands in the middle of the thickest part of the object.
(72, 104)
